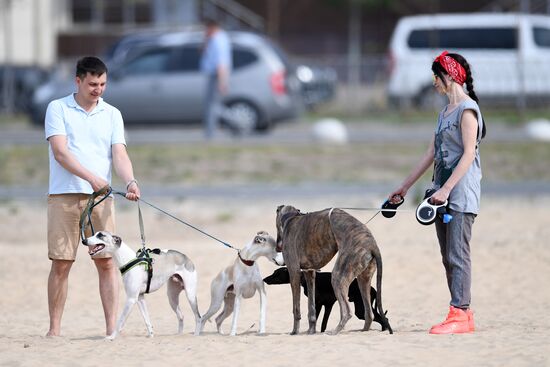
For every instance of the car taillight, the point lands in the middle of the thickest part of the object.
(278, 82)
(390, 62)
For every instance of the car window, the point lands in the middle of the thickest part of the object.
(470, 38)
(150, 62)
(186, 58)
(243, 57)
(542, 36)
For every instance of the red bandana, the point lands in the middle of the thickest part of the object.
(452, 67)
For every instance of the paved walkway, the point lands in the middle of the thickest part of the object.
(291, 133)
(287, 133)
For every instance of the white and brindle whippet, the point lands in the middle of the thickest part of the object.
(169, 266)
(241, 280)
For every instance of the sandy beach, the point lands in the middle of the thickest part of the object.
(511, 268)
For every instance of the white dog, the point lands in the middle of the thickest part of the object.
(241, 280)
(168, 266)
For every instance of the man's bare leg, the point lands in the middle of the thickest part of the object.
(108, 291)
(58, 284)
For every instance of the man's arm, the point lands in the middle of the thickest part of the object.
(124, 170)
(223, 62)
(68, 161)
(223, 79)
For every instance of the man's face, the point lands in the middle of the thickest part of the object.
(92, 86)
(210, 30)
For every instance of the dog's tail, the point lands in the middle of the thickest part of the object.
(385, 322)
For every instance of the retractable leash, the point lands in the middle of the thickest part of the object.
(388, 209)
(426, 212)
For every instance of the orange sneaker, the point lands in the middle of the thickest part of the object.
(457, 322)
(470, 314)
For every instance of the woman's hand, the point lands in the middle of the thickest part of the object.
(397, 196)
(440, 196)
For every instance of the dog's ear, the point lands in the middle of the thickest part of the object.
(117, 240)
(259, 239)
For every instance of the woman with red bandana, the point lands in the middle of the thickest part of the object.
(454, 154)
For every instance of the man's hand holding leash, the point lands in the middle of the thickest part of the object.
(98, 183)
(132, 190)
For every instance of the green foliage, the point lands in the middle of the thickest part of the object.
(275, 163)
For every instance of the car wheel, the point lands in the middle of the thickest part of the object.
(241, 117)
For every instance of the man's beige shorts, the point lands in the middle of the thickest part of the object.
(64, 212)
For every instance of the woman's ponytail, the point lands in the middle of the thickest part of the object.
(469, 84)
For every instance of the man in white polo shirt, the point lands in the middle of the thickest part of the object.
(86, 137)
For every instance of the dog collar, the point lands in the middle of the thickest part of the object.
(246, 262)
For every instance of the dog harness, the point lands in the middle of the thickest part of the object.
(142, 258)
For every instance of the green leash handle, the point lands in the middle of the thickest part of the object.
(87, 212)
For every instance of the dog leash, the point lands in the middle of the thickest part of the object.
(378, 211)
(226, 244)
(143, 255)
(87, 212)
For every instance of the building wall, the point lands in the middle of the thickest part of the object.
(28, 31)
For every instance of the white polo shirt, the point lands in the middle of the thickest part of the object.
(89, 138)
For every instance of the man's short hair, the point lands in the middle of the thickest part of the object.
(210, 22)
(90, 64)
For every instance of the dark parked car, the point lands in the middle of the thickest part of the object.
(25, 79)
(157, 80)
(317, 85)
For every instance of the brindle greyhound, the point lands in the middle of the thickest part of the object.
(309, 241)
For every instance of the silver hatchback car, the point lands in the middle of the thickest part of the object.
(157, 81)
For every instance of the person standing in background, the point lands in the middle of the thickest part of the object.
(216, 64)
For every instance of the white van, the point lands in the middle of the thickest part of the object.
(509, 55)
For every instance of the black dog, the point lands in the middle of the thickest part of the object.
(324, 294)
